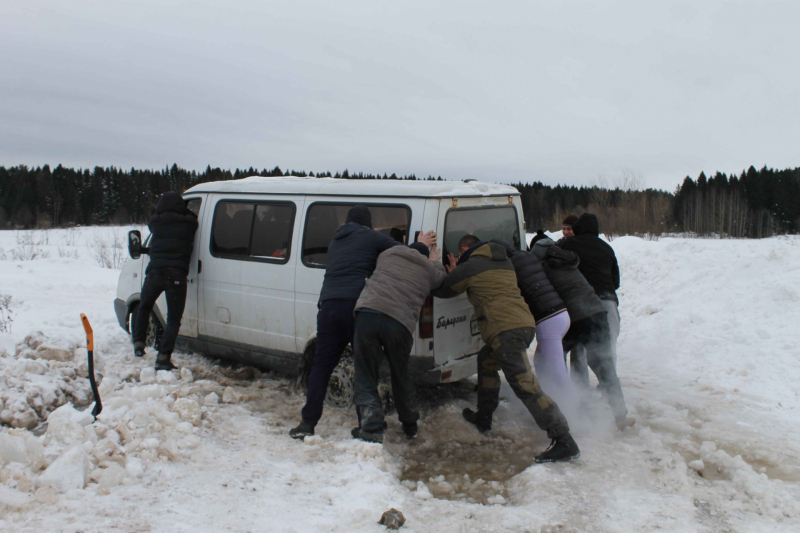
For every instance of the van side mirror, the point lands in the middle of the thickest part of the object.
(135, 244)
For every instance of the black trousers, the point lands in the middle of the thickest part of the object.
(595, 335)
(377, 336)
(335, 324)
(172, 282)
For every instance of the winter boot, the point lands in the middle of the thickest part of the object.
(163, 362)
(138, 349)
(302, 431)
(563, 448)
(484, 424)
(410, 430)
(625, 423)
(367, 436)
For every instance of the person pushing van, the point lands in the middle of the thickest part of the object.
(351, 259)
(172, 231)
(386, 314)
(484, 271)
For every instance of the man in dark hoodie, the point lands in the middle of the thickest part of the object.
(599, 266)
(589, 326)
(352, 255)
(172, 231)
(485, 273)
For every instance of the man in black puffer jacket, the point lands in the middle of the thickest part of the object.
(352, 256)
(172, 231)
(552, 322)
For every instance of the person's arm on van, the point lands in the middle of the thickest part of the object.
(428, 239)
(383, 242)
(455, 283)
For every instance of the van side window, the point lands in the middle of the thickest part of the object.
(193, 205)
(252, 230)
(323, 219)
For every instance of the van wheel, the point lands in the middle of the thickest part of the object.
(154, 329)
(341, 387)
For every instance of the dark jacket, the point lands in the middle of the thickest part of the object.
(352, 255)
(539, 294)
(598, 261)
(403, 278)
(172, 231)
(561, 268)
(487, 275)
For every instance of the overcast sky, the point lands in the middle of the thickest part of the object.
(557, 91)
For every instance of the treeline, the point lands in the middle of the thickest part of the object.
(758, 203)
(41, 197)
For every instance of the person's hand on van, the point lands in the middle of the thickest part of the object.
(435, 253)
(428, 239)
(452, 262)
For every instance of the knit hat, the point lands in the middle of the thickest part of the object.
(359, 214)
(421, 248)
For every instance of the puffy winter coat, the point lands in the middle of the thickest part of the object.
(561, 267)
(172, 231)
(598, 261)
(403, 278)
(539, 294)
(352, 255)
(486, 274)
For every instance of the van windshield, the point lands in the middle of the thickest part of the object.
(486, 223)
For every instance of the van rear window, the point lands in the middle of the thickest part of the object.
(486, 223)
(323, 219)
(249, 230)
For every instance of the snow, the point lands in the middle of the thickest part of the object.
(708, 358)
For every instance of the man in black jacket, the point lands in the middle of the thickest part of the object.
(352, 255)
(172, 231)
(599, 266)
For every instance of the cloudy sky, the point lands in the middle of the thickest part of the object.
(557, 91)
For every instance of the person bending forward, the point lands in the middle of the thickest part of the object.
(386, 314)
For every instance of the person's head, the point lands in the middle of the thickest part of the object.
(539, 236)
(171, 201)
(566, 226)
(360, 215)
(421, 248)
(467, 242)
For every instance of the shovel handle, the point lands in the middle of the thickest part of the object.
(89, 333)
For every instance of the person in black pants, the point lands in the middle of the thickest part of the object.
(172, 231)
(352, 255)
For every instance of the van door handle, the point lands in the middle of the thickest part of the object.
(199, 266)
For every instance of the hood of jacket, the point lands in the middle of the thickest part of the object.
(505, 244)
(489, 250)
(540, 247)
(587, 225)
(171, 201)
(347, 229)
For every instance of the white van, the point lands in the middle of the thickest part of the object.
(259, 261)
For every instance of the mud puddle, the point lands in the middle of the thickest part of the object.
(456, 462)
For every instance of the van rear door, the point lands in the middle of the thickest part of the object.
(455, 326)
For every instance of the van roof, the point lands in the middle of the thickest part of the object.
(355, 187)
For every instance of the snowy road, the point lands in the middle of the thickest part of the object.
(709, 358)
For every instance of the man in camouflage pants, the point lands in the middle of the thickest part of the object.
(484, 271)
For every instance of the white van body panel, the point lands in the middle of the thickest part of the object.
(262, 307)
(248, 302)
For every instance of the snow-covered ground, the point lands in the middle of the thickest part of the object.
(708, 357)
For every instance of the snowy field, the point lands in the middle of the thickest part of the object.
(708, 358)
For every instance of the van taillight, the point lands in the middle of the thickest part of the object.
(426, 319)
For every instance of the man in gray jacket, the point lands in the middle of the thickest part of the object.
(386, 314)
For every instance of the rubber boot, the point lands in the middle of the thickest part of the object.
(483, 423)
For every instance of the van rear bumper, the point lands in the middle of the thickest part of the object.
(425, 370)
